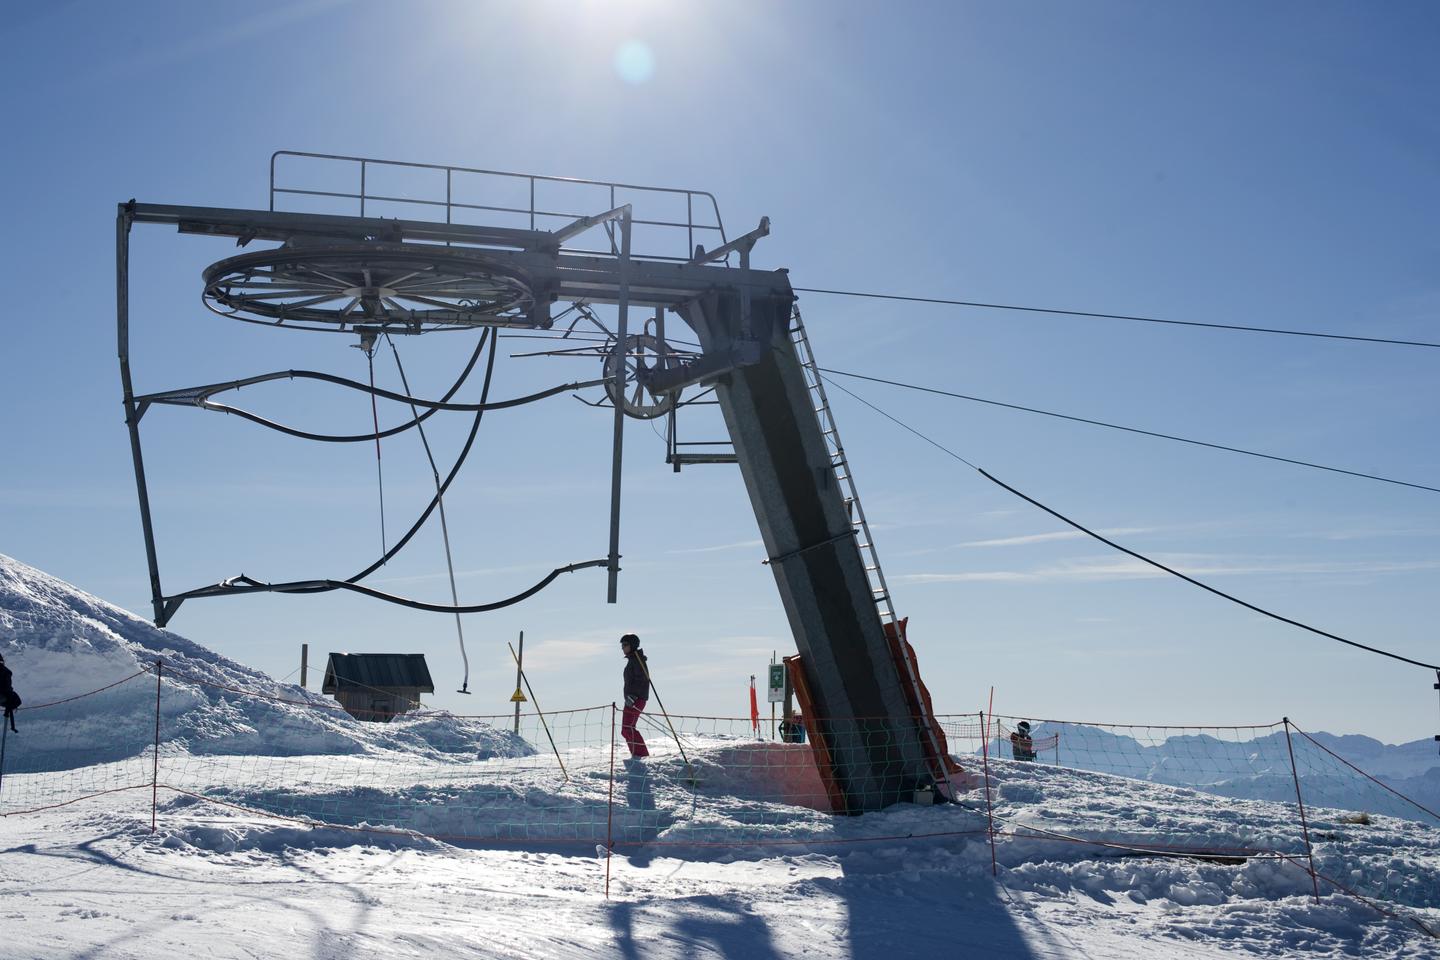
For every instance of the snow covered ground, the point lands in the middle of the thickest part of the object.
(91, 880)
(743, 866)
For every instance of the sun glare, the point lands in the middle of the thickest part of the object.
(634, 61)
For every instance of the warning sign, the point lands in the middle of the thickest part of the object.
(518, 696)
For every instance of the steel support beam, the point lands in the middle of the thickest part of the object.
(133, 412)
(590, 277)
(878, 748)
(616, 457)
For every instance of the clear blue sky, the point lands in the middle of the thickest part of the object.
(1268, 164)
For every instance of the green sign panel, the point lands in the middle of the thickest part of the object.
(777, 683)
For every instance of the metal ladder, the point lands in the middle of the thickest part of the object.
(879, 590)
(815, 384)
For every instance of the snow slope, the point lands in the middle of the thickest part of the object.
(61, 642)
(733, 868)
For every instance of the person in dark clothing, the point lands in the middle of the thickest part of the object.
(637, 691)
(8, 696)
(1021, 743)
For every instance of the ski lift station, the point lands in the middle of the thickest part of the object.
(664, 262)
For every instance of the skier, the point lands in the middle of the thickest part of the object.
(637, 691)
(8, 695)
(1021, 745)
(792, 728)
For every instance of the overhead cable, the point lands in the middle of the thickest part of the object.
(444, 523)
(1126, 550)
(1116, 316)
(246, 584)
(386, 555)
(369, 348)
(1116, 426)
(460, 459)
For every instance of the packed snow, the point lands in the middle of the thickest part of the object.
(450, 836)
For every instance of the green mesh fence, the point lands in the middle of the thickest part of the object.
(1228, 794)
(99, 743)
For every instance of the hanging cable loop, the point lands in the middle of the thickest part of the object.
(247, 584)
(444, 524)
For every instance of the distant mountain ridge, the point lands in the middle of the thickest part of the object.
(1260, 768)
(1392, 761)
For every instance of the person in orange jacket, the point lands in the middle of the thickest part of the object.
(1021, 745)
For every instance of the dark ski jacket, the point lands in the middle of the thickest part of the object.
(637, 682)
(9, 699)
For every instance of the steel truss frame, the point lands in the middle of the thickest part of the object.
(616, 278)
(793, 470)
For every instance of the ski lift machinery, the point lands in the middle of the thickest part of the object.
(358, 272)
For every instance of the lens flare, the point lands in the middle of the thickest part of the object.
(635, 62)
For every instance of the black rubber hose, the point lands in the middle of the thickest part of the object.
(243, 584)
(324, 437)
(355, 438)
(449, 477)
(320, 586)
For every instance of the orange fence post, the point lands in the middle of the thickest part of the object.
(155, 765)
(989, 812)
(1304, 825)
(610, 804)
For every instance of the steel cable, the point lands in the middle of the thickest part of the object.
(1116, 316)
(1116, 426)
(1138, 556)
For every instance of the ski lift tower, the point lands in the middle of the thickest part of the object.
(487, 249)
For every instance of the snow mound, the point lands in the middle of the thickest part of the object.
(63, 643)
(237, 835)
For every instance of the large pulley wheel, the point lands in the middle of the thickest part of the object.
(391, 287)
(643, 353)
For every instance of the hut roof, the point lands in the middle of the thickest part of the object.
(377, 671)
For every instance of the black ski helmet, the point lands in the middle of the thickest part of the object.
(1024, 726)
(631, 639)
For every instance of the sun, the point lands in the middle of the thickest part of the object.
(635, 62)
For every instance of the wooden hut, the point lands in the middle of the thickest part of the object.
(377, 686)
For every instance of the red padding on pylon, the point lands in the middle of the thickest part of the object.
(902, 653)
(823, 761)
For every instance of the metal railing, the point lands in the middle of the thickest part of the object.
(529, 201)
(815, 384)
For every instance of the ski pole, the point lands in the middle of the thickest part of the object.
(538, 712)
(661, 704)
(652, 724)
